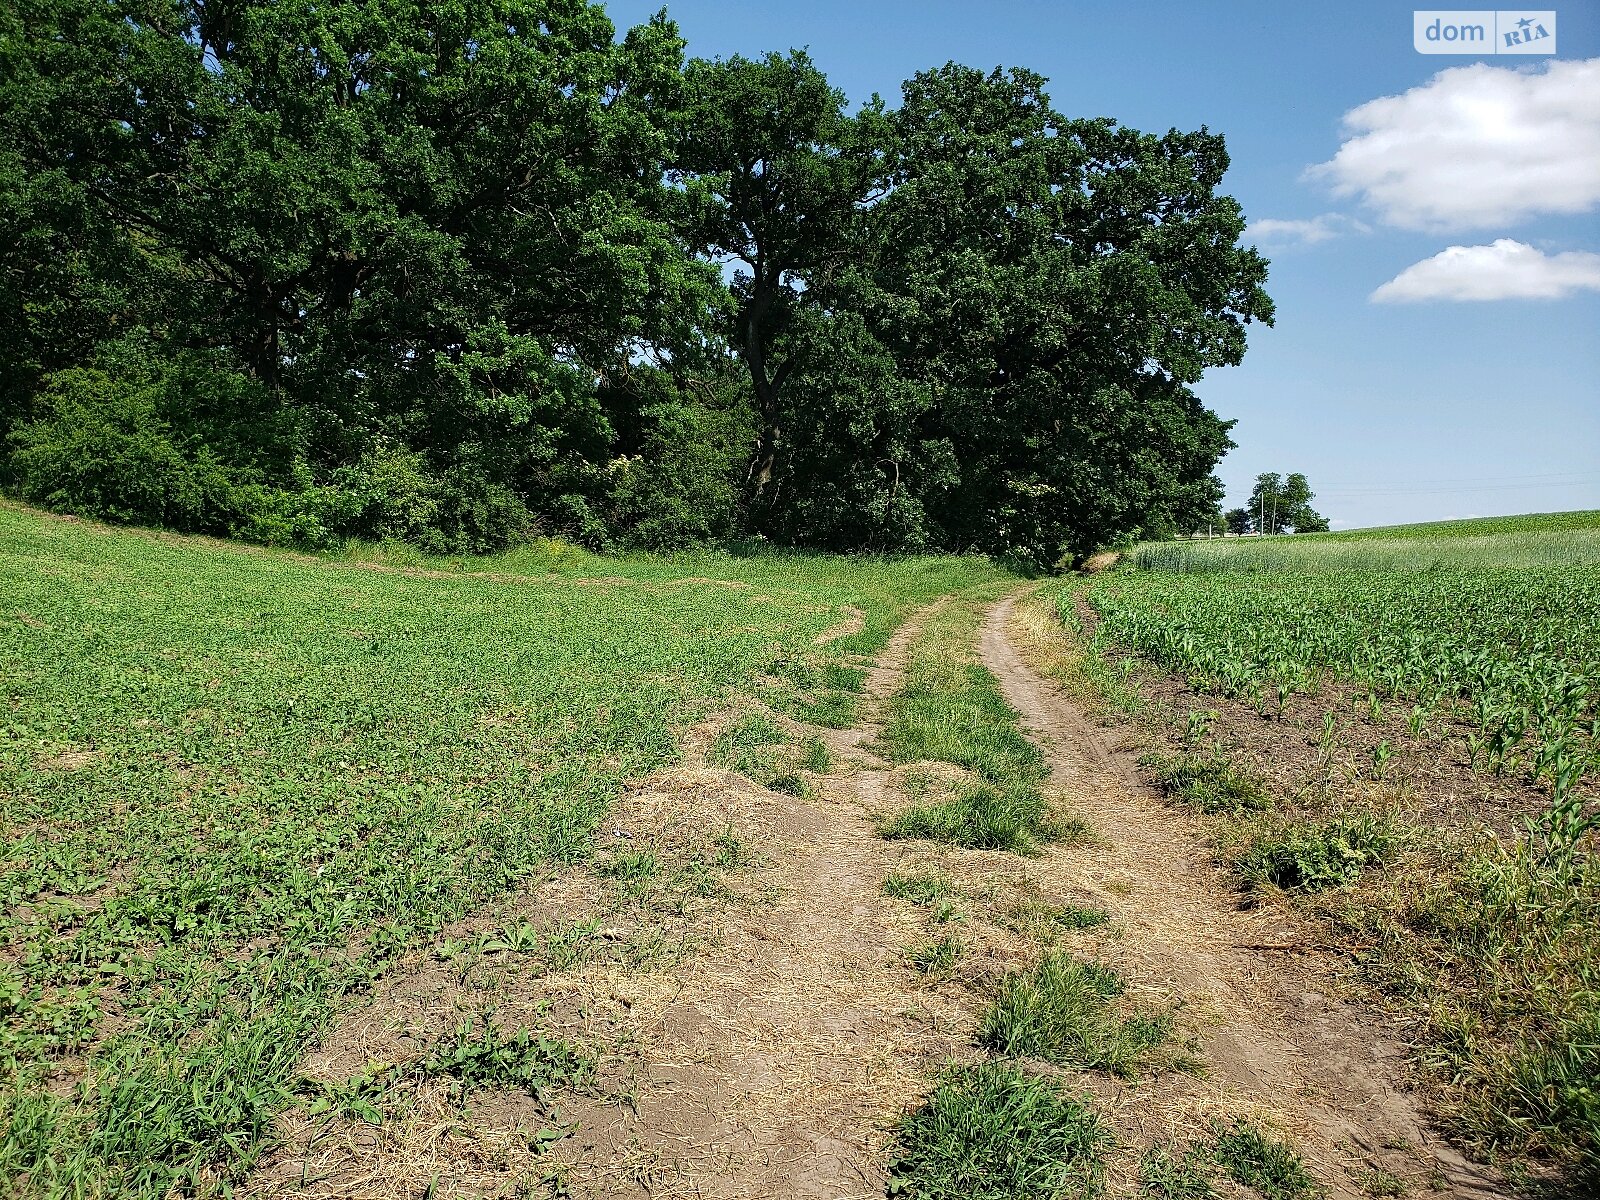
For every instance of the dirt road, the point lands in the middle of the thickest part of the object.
(770, 1054)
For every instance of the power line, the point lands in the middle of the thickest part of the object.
(1358, 493)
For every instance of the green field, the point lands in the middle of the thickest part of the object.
(1465, 647)
(1538, 540)
(238, 783)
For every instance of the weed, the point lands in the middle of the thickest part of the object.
(935, 957)
(814, 755)
(1044, 920)
(1210, 782)
(1380, 1184)
(1312, 855)
(630, 866)
(945, 911)
(568, 946)
(951, 710)
(790, 783)
(1061, 1011)
(523, 1059)
(991, 1132)
(843, 678)
(745, 747)
(833, 710)
(919, 887)
(979, 817)
(1257, 1161)
(1167, 1176)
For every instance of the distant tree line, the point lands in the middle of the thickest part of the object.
(463, 274)
(1277, 505)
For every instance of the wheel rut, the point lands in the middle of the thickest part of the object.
(782, 1056)
(1274, 1038)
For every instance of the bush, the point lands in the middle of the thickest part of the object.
(684, 486)
(102, 448)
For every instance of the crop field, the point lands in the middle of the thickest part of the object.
(1318, 696)
(236, 784)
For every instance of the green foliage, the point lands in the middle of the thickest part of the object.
(1210, 782)
(991, 1132)
(1265, 1164)
(1499, 948)
(979, 817)
(1312, 855)
(426, 227)
(1485, 943)
(1511, 651)
(1045, 921)
(523, 1059)
(680, 472)
(1164, 1175)
(1494, 545)
(1476, 527)
(100, 448)
(1280, 504)
(936, 957)
(950, 709)
(749, 746)
(1062, 1012)
(475, 258)
(237, 785)
(919, 887)
(1016, 340)
(814, 755)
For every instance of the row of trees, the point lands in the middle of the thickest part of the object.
(298, 271)
(1276, 505)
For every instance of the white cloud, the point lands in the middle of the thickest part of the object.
(1506, 270)
(1304, 232)
(1476, 146)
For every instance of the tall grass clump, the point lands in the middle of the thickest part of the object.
(990, 1131)
(1064, 1012)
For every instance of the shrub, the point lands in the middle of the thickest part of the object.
(102, 448)
(684, 486)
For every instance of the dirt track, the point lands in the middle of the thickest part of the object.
(1274, 1039)
(771, 1059)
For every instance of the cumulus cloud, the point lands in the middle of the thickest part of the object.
(1302, 231)
(1475, 146)
(1505, 270)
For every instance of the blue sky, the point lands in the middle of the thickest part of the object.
(1424, 407)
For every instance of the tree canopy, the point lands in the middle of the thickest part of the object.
(1278, 504)
(462, 274)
